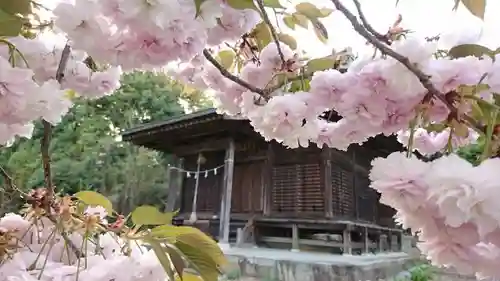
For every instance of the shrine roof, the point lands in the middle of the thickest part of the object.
(166, 134)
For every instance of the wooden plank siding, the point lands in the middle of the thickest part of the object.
(248, 187)
(210, 187)
(272, 180)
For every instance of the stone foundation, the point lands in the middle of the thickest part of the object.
(281, 265)
(254, 264)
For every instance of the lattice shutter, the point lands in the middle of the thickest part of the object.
(285, 186)
(313, 199)
(297, 188)
(342, 191)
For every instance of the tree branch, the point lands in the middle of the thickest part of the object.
(47, 127)
(232, 77)
(368, 26)
(386, 50)
(265, 17)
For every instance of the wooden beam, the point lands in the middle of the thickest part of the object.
(228, 190)
(327, 180)
(212, 144)
(268, 184)
(175, 186)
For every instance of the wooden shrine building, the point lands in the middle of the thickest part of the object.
(310, 199)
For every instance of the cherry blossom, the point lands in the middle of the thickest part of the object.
(449, 202)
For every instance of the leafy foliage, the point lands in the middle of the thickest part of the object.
(472, 153)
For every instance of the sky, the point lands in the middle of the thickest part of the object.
(425, 17)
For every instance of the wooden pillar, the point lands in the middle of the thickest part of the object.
(366, 240)
(399, 242)
(389, 240)
(295, 238)
(228, 190)
(347, 240)
(380, 241)
(222, 213)
(175, 182)
(268, 183)
(327, 178)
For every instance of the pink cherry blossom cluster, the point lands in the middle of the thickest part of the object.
(150, 34)
(44, 255)
(450, 203)
(30, 91)
(367, 96)
(428, 143)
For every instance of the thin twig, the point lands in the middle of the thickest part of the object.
(232, 77)
(10, 182)
(68, 241)
(267, 21)
(47, 127)
(8, 179)
(368, 26)
(386, 50)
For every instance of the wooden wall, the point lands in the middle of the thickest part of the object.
(210, 187)
(304, 182)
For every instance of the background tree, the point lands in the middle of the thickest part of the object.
(87, 152)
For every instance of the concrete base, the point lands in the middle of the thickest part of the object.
(224, 247)
(283, 265)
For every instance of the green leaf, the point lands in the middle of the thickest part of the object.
(476, 7)
(435, 127)
(241, 4)
(162, 257)
(13, 7)
(309, 10)
(189, 277)
(10, 25)
(177, 260)
(301, 20)
(262, 35)
(320, 64)
(300, 85)
(273, 4)
(197, 4)
(93, 198)
(289, 22)
(289, 40)
(320, 31)
(226, 58)
(201, 251)
(325, 12)
(201, 260)
(150, 215)
(465, 50)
